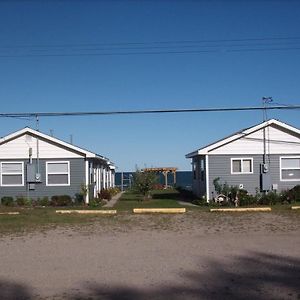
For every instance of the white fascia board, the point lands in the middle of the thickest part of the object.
(192, 154)
(206, 150)
(49, 138)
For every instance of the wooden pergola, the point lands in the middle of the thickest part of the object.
(164, 171)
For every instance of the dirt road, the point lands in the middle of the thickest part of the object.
(193, 256)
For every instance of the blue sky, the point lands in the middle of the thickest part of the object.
(33, 78)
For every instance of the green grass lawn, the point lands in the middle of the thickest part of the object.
(160, 199)
(38, 218)
(31, 219)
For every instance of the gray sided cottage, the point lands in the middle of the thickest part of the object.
(33, 164)
(260, 158)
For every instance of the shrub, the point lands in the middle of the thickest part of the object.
(114, 191)
(158, 186)
(95, 202)
(23, 201)
(43, 201)
(246, 199)
(270, 198)
(7, 201)
(200, 201)
(143, 182)
(105, 194)
(61, 200)
(79, 198)
(291, 195)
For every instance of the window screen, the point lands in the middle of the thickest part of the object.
(58, 173)
(12, 173)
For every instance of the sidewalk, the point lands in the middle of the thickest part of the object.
(113, 200)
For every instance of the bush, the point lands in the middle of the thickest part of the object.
(61, 200)
(7, 201)
(79, 198)
(143, 182)
(270, 198)
(158, 186)
(246, 199)
(200, 201)
(105, 194)
(96, 202)
(43, 201)
(291, 195)
(23, 201)
(114, 191)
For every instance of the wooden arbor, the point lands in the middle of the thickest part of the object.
(164, 171)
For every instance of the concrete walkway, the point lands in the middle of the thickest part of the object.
(113, 200)
(187, 203)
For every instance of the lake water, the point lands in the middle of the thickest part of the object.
(183, 179)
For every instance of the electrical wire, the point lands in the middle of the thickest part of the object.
(263, 39)
(152, 48)
(154, 111)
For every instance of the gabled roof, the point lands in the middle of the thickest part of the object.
(242, 133)
(28, 130)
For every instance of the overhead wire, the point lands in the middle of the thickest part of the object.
(152, 48)
(151, 111)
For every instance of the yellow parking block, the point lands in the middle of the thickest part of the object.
(159, 210)
(241, 209)
(295, 207)
(81, 211)
(10, 213)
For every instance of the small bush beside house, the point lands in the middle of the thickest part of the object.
(7, 201)
(62, 200)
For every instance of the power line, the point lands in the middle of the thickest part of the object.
(149, 52)
(152, 48)
(295, 38)
(154, 111)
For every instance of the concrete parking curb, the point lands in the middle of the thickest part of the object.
(159, 210)
(295, 207)
(10, 213)
(240, 209)
(79, 211)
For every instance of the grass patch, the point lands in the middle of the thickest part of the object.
(160, 199)
(31, 219)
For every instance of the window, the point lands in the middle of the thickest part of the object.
(290, 168)
(12, 173)
(202, 169)
(58, 173)
(241, 165)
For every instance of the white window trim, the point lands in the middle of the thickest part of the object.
(12, 162)
(57, 173)
(280, 168)
(241, 159)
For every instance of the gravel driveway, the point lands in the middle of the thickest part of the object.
(191, 256)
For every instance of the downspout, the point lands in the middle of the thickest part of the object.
(87, 181)
(207, 177)
(37, 151)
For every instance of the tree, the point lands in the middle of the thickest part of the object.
(143, 182)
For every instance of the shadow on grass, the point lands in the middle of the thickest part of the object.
(256, 276)
(166, 196)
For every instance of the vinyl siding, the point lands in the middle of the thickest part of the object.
(19, 148)
(278, 141)
(220, 166)
(77, 178)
